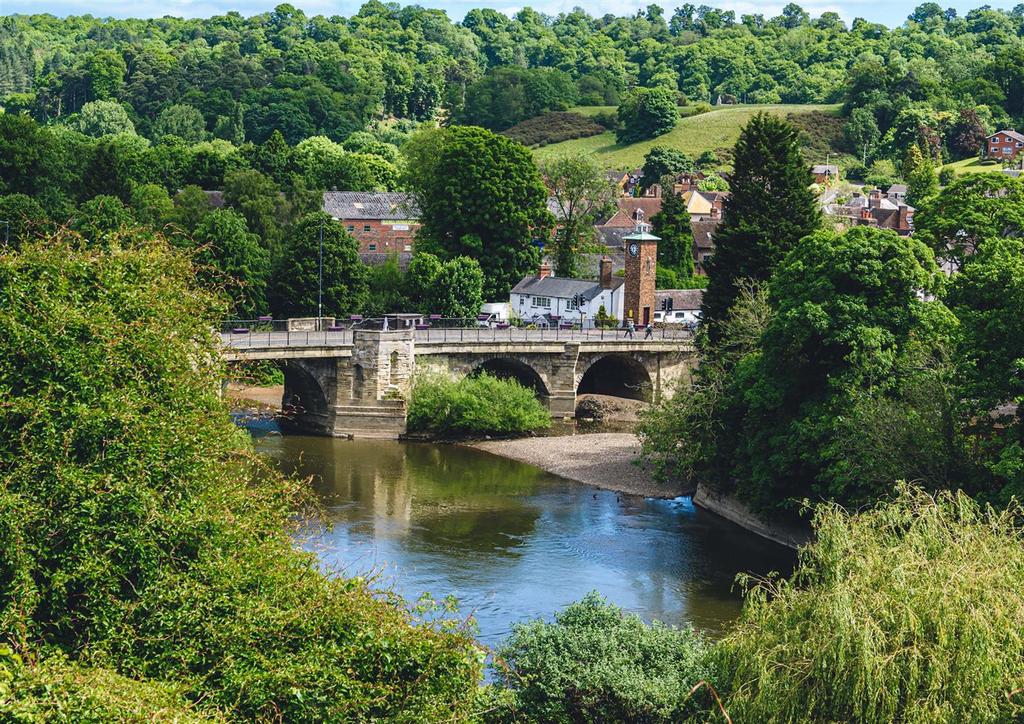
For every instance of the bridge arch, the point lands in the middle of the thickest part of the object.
(304, 392)
(616, 375)
(516, 369)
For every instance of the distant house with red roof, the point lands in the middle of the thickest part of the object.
(1004, 145)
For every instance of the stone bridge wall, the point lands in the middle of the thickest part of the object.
(360, 390)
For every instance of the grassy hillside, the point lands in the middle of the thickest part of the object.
(714, 131)
(974, 165)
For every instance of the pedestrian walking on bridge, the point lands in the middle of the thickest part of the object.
(630, 328)
(649, 331)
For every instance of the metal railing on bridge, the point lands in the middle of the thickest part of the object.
(266, 332)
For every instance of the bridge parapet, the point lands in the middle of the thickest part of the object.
(354, 383)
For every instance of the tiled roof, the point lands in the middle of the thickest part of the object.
(681, 298)
(560, 288)
(702, 232)
(216, 198)
(897, 189)
(611, 236)
(1012, 134)
(823, 168)
(370, 205)
(629, 204)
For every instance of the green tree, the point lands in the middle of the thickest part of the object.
(988, 299)
(452, 288)
(22, 219)
(584, 666)
(117, 163)
(386, 288)
(327, 165)
(646, 113)
(175, 538)
(183, 121)
(102, 218)
(191, 205)
(920, 175)
(230, 256)
(103, 118)
(973, 209)
(663, 161)
(27, 153)
(260, 201)
(672, 225)
(105, 69)
(908, 571)
(296, 274)
(581, 191)
(846, 312)
(862, 132)
(480, 195)
(770, 209)
(151, 205)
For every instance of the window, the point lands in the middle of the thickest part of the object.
(1007, 149)
(366, 227)
(372, 247)
(544, 302)
(571, 304)
(350, 228)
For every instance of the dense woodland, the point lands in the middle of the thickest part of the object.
(240, 79)
(146, 568)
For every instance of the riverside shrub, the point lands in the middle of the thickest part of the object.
(478, 405)
(908, 612)
(139, 534)
(597, 663)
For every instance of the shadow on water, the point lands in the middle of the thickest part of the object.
(512, 542)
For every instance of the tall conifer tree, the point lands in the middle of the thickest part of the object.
(672, 226)
(770, 209)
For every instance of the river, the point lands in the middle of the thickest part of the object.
(512, 542)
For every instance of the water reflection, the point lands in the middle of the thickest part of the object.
(512, 542)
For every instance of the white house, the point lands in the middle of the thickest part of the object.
(538, 298)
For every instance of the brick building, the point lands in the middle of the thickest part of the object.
(1004, 145)
(876, 209)
(383, 222)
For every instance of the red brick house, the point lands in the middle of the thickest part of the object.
(1004, 145)
(825, 174)
(383, 222)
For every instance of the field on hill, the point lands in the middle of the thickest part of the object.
(716, 130)
(974, 165)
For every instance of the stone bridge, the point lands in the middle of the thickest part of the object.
(355, 383)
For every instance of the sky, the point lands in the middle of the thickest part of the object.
(890, 13)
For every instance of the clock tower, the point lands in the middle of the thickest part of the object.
(641, 264)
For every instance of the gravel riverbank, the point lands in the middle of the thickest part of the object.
(604, 460)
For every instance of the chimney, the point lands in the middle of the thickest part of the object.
(903, 222)
(875, 199)
(545, 271)
(606, 272)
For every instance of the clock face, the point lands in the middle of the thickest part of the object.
(634, 249)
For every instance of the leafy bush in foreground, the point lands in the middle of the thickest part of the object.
(476, 405)
(139, 534)
(909, 612)
(596, 663)
(57, 690)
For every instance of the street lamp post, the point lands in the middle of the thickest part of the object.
(320, 282)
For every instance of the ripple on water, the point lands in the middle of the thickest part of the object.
(513, 543)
